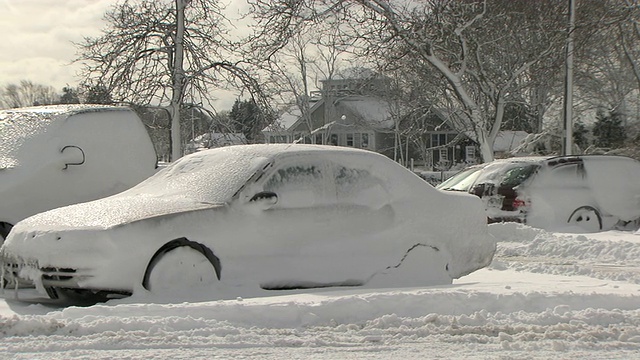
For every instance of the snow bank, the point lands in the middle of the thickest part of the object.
(545, 295)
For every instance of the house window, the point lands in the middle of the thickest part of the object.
(279, 139)
(333, 140)
(318, 139)
(444, 154)
(365, 141)
(438, 139)
(470, 153)
(349, 139)
(357, 140)
(274, 139)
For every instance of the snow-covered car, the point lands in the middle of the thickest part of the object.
(52, 156)
(584, 193)
(277, 216)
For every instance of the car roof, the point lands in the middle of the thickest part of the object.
(278, 150)
(557, 159)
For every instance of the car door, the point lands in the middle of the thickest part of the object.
(556, 193)
(366, 221)
(296, 227)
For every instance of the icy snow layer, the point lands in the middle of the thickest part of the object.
(544, 309)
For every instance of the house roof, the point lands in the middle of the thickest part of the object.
(289, 115)
(508, 140)
(374, 112)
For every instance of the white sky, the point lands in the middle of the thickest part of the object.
(37, 38)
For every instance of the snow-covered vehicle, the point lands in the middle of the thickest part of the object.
(52, 156)
(585, 193)
(262, 217)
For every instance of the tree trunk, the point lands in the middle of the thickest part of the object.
(178, 79)
(486, 148)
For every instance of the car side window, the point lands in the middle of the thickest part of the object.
(566, 176)
(360, 187)
(517, 175)
(298, 185)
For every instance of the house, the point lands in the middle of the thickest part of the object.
(351, 112)
(341, 114)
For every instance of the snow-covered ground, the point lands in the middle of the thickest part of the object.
(546, 295)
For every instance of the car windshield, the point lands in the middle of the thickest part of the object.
(461, 181)
(210, 176)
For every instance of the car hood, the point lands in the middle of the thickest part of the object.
(112, 211)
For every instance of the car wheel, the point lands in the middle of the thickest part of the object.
(181, 267)
(587, 218)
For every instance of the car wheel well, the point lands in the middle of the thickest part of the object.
(173, 244)
(577, 212)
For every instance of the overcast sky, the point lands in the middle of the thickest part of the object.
(36, 39)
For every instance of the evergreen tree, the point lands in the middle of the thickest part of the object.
(580, 135)
(69, 96)
(608, 130)
(518, 117)
(99, 94)
(247, 119)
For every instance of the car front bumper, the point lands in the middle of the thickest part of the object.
(25, 273)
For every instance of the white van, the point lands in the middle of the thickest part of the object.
(52, 156)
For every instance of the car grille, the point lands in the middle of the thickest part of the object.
(57, 274)
(16, 270)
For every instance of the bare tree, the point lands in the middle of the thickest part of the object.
(27, 93)
(629, 30)
(608, 56)
(165, 53)
(478, 53)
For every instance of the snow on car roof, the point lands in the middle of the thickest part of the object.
(224, 169)
(204, 179)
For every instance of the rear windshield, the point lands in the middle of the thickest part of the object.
(507, 174)
(502, 174)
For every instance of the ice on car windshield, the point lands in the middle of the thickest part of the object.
(213, 178)
(461, 181)
(507, 174)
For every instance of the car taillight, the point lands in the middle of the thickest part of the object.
(519, 203)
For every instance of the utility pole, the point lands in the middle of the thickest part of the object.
(568, 86)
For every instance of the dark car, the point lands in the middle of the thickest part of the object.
(588, 192)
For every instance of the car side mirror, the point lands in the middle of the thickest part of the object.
(264, 199)
(485, 189)
(478, 190)
(72, 155)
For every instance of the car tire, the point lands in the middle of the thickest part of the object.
(181, 265)
(587, 218)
